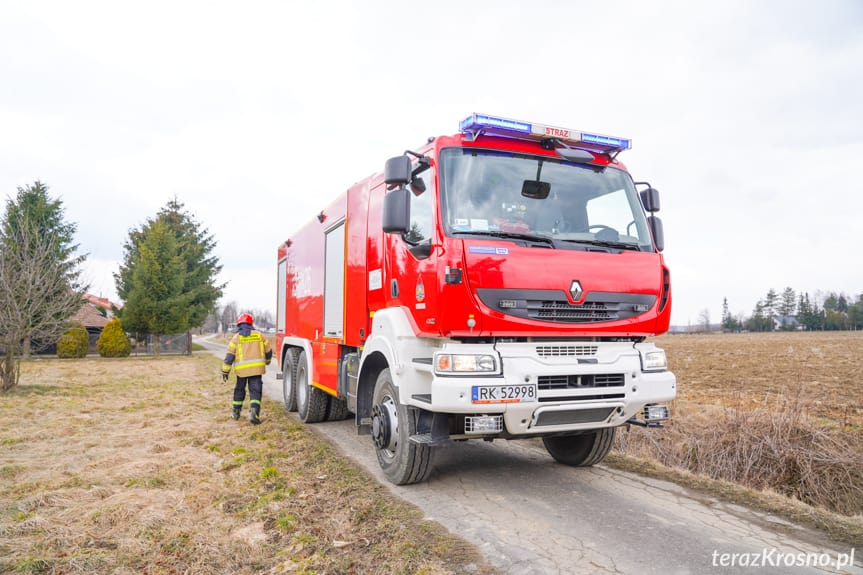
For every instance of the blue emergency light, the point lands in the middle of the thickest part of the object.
(479, 121)
(476, 124)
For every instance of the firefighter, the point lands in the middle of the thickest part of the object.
(250, 353)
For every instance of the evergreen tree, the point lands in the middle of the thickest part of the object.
(855, 313)
(170, 256)
(804, 311)
(156, 302)
(842, 304)
(787, 307)
(195, 247)
(113, 341)
(729, 322)
(816, 317)
(770, 304)
(760, 320)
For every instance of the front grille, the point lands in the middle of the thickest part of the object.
(549, 382)
(554, 306)
(566, 350)
(565, 312)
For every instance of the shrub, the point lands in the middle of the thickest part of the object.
(74, 343)
(114, 342)
(775, 445)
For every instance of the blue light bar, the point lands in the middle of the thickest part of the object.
(476, 124)
(618, 143)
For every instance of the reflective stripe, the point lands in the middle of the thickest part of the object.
(258, 401)
(249, 354)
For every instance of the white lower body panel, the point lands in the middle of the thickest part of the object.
(577, 386)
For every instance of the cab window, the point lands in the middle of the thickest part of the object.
(422, 209)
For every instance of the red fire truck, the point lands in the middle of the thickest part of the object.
(497, 283)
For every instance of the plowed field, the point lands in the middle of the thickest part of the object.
(781, 412)
(824, 370)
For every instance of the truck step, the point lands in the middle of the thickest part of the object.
(427, 439)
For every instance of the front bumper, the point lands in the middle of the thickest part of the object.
(579, 386)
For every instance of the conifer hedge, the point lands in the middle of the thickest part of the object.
(74, 343)
(114, 342)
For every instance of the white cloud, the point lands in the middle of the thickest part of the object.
(745, 115)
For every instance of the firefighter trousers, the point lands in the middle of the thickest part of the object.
(256, 385)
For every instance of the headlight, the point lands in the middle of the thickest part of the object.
(463, 363)
(654, 360)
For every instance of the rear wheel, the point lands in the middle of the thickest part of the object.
(289, 374)
(311, 401)
(402, 461)
(337, 410)
(581, 450)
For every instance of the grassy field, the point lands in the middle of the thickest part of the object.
(134, 466)
(779, 413)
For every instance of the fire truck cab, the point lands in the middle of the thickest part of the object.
(499, 283)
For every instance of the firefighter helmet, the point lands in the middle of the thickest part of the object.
(245, 318)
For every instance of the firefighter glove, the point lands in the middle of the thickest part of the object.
(225, 376)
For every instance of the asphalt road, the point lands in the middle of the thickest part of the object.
(532, 516)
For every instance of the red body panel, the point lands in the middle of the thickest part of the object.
(531, 268)
(381, 272)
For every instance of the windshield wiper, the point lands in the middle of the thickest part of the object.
(509, 235)
(607, 244)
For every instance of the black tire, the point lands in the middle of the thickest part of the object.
(311, 402)
(289, 375)
(581, 450)
(402, 461)
(337, 410)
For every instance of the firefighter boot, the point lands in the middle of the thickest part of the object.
(255, 414)
(236, 413)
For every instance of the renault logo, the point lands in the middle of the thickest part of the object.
(575, 290)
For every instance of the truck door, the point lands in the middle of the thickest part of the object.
(334, 282)
(413, 263)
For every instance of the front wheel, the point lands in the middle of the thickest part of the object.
(581, 450)
(402, 461)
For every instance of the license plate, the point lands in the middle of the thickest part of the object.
(503, 393)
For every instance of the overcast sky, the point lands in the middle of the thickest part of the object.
(746, 115)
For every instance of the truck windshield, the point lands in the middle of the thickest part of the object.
(487, 191)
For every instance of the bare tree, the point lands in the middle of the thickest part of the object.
(212, 321)
(36, 297)
(263, 318)
(229, 316)
(704, 319)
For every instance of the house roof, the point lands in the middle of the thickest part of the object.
(104, 302)
(89, 316)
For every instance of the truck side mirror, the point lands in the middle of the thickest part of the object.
(650, 199)
(658, 233)
(397, 210)
(397, 171)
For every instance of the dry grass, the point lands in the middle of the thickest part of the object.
(779, 413)
(133, 466)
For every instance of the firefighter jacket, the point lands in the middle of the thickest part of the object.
(249, 352)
